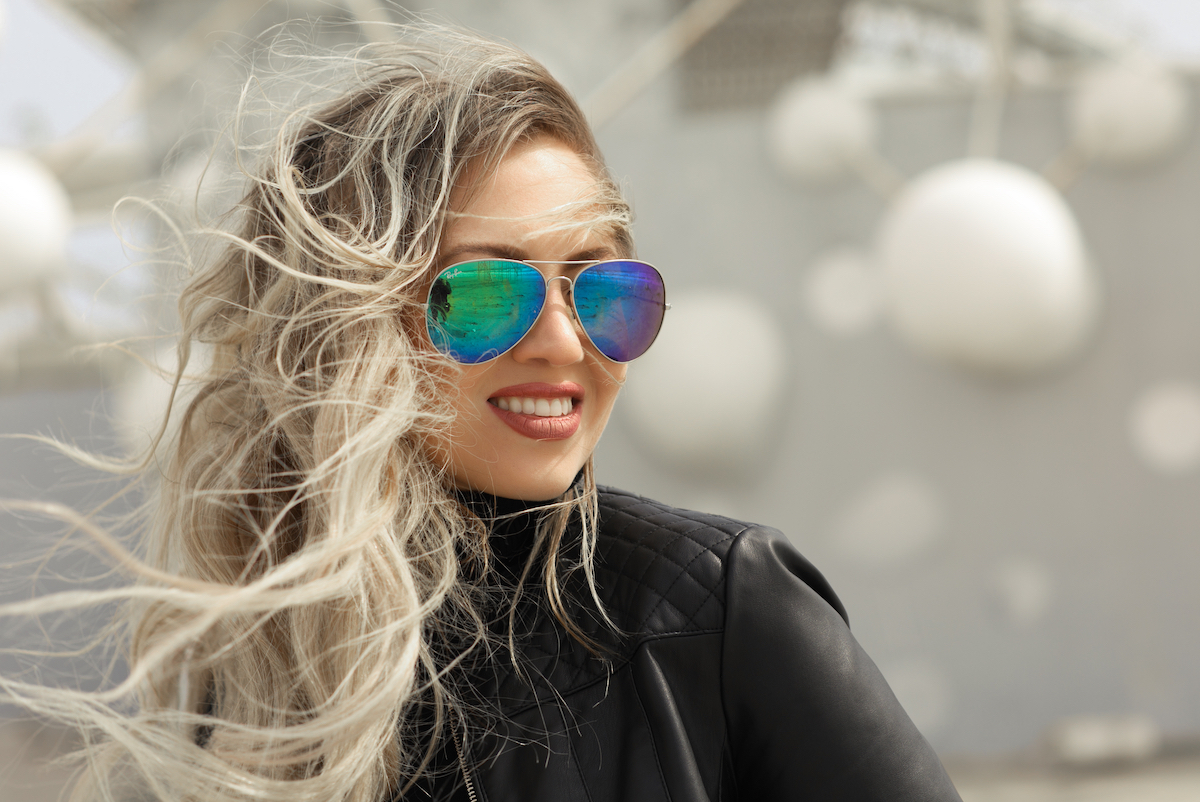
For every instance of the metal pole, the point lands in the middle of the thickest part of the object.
(655, 56)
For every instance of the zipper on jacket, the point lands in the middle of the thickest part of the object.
(460, 747)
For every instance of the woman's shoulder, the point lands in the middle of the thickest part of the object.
(667, 570)
(644, 522)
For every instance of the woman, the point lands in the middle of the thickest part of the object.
(379, 566)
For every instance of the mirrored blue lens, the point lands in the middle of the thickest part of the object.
(620, 304)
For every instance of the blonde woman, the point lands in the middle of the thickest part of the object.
(379, 566)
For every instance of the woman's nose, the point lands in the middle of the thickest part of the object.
(554, 338)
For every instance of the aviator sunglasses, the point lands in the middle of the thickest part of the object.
(479, 310)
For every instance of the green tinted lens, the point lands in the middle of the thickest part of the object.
(479, 310)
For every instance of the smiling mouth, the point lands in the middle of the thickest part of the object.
(538, 407)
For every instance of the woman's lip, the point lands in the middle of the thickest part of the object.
(559, 427)
(540, 390)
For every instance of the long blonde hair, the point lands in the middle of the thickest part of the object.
(305, 555)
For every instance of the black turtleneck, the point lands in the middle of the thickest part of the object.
(511, 525)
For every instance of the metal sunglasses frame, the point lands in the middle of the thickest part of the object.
(588, 263)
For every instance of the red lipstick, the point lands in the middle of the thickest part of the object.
(559, 427)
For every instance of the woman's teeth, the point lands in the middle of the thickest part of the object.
(542, 407)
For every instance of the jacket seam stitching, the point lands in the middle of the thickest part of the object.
(662, 777)
(721, 768)
(726, 566)
(579, 769)
(684, 572)
(662, 598)
(661, 553)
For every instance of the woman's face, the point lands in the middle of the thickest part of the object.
(525, 423)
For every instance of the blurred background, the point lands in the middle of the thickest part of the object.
(934, 274)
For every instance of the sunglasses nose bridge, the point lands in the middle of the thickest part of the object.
(568, 293)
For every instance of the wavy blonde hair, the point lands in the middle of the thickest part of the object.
(306, 559)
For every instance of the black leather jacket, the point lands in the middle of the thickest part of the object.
(736, 678)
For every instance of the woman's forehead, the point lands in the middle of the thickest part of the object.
(539, 178)
(540, 194)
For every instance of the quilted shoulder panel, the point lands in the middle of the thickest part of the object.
(661, 570)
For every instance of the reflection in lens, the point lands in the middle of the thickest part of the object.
(479, 310)
(620, 306)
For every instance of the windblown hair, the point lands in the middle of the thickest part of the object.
(307, 558)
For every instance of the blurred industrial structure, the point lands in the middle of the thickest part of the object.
(933, 267)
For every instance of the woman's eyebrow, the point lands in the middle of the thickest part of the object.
(594, 254)
(482, 248)
(502, 251)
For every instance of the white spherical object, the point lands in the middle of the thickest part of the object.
(705, 396)
(817, 130)
(984, 266)
(892, 519)
(1129, 112)
(35, 220)
(1165, 426)
(842, 292)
